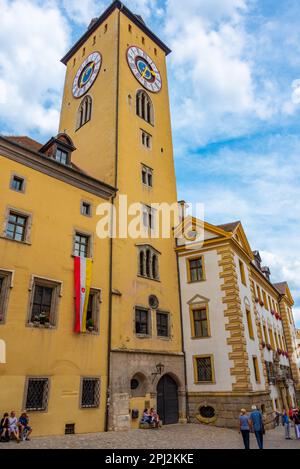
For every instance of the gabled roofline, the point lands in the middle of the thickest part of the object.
(120, 6)
(39, 162)
(202, 224)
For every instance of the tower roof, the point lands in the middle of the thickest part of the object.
(95, 23)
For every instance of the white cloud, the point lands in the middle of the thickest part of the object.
(33, 38)
(209, 62)
(82, 11)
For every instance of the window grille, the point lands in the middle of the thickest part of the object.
(204, 369)
(37, 394)
(90, 392)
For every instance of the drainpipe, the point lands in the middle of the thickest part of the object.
(108, 396)
(182, 335)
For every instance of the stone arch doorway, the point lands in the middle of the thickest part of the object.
(167, 400)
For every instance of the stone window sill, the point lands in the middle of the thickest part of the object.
(16, 241)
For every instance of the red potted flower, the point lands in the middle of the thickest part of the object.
(263, 344)
(269, 347)
(277, 316)
(280, 318)
(261, 303)
(256, 300)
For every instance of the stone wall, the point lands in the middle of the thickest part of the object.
(124, 366)
(228, 408)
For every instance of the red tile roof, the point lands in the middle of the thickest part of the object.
(26, 142)
(281, 287)
(229, 227)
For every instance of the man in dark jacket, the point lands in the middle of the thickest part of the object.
(257, 425)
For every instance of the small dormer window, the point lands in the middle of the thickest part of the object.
(61, 156)
(60, 149)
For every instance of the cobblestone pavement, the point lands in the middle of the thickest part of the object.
(189, 436)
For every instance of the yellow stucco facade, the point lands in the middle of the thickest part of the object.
(58, 353)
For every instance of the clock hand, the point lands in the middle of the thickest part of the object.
(146, 70)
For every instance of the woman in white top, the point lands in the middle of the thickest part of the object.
(13, 425)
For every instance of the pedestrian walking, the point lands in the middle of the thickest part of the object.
(244, 424)
(296, 420)
(257, 425)
(286, 424)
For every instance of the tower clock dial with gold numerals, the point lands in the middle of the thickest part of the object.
(144, 69)
(87, 74)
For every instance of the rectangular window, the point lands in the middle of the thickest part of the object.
(203, 369)
(93, 311)
(276, 404)
(86, 209)
(265, 334)
(256, 369)
(242, 272)
(61, 156)
(195, 269)
(5, 286)
(90, 393)
(148, 217)
(272, 342)
(270, 303)
(200, 322)
(258, 293)
(44, 302)
(82, 245)
(147, 176)
(146, 139)
(142, 321)
(249, 323)
(17, 184)
(276, 340)
(270, 371)
(37, 394)
(16, 227)
(265, 299)
(162, 324)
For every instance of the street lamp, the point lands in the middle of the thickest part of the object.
(159, 370)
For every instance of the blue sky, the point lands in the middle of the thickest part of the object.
(234, 78)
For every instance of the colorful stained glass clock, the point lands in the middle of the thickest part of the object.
(86, 74)
(144, 69)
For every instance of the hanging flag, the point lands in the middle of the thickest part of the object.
(82, 277)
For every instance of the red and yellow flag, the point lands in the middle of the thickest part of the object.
(82, 277)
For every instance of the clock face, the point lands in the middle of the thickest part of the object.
(86, 74)
(144, 69)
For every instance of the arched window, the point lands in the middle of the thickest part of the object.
(148, 263)
(154, 267)
(142, 266)
(84, 112)
(144, 107)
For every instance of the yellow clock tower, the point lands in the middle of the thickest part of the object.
(116, 110)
